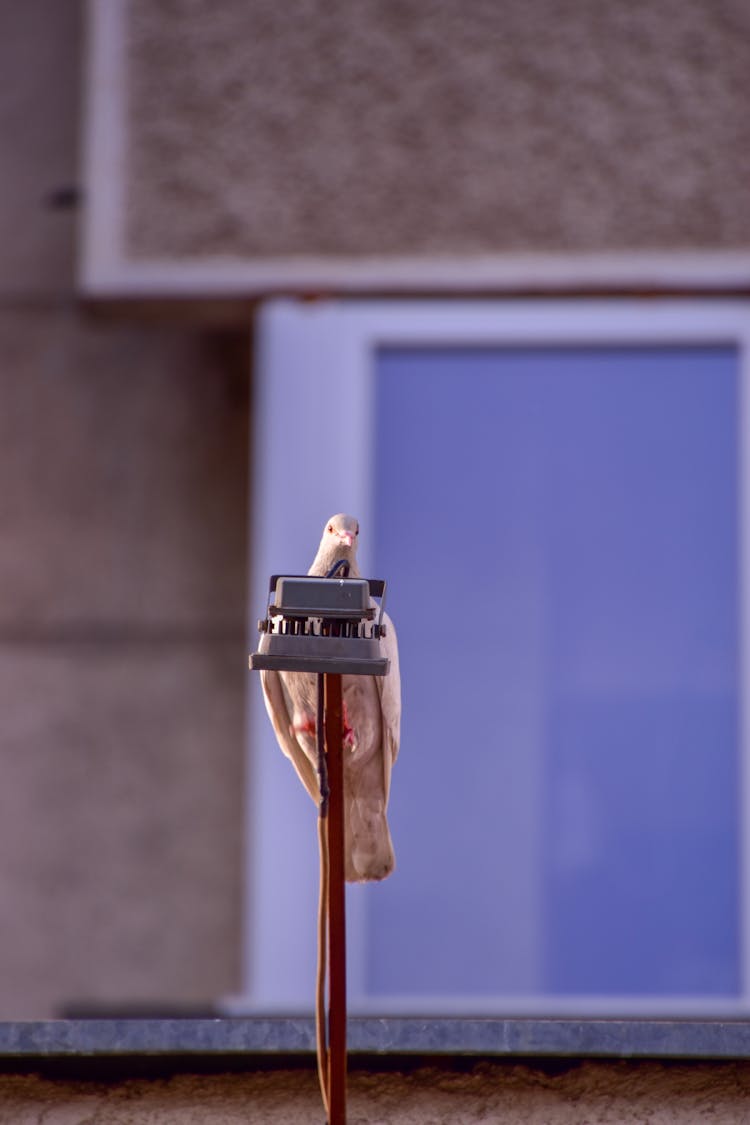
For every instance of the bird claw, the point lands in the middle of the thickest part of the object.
(349, 740)
(308, 726)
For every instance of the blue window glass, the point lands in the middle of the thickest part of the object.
(560, 532)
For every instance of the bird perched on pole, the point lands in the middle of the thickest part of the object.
(372, 720)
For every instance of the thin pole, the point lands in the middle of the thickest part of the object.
(321, 1027)
(336, 902)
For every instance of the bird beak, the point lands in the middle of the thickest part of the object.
(345, 538)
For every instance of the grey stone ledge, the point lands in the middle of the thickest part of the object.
(276, 1036)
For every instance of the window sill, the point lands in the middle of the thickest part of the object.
(277, 1036)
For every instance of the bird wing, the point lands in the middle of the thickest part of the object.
(277, 706)
(389, 691)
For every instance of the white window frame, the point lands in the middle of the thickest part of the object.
(312, 451)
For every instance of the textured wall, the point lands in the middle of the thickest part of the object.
(122, 660)
(608, 1094)
(423, 126)
(123, 461)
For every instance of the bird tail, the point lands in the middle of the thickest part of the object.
(368, 844)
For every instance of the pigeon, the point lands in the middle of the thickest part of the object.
(372, 721)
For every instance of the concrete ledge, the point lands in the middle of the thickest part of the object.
(527, 1038)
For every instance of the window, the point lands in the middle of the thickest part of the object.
(556, 495)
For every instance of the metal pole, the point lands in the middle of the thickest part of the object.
(336, 903)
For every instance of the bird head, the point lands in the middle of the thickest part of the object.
(339, 541)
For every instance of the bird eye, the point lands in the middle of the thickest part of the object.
(357, 531)
(330, 527)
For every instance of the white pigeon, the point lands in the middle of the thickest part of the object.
(372, 720)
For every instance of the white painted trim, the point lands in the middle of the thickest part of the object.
(107, 270)
(101, 231)
(112, 275)
(315, 379)
(744, 654)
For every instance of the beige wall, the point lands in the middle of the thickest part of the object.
(436, 126)
(123, 462)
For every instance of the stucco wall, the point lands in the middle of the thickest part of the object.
(121, 662)
(433, 126)
(622, 1093)
(123, 461)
